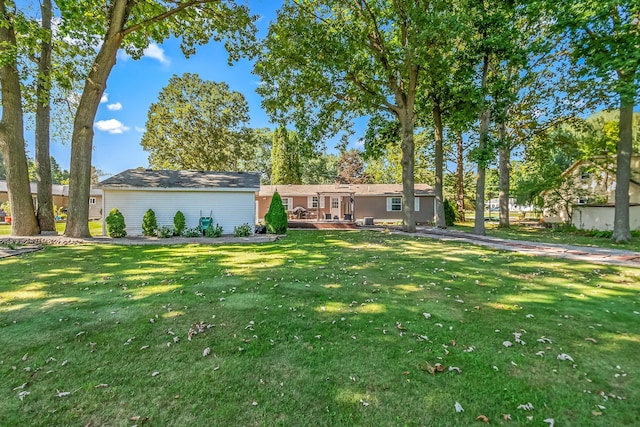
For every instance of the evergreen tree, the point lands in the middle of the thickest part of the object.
(276, 217)
(285, 158)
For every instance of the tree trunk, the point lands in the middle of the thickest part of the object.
(460, 176)
(82, 138)
(12, 133)
(44, 207)
(485, 119)
(504, 170)
(408, 161)
(439, 159)
(621, 229)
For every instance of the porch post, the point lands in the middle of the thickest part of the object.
(352, 200)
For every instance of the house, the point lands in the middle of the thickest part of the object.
(355, 202)
(60, 195)
(229, 197)
(587, 196)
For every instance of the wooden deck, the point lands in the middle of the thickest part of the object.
(322, 225)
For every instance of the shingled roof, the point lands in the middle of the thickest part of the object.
(147, 178)
(357, 189)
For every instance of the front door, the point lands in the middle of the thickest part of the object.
(335, 207)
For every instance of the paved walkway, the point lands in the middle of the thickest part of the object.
(577, 253)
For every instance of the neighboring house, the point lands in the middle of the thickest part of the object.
(381, 202)
(61, 197)
(493, 205)
(229, 197)
(587, 197)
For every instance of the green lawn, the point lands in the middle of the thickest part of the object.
(95, 228)
(320, 328)
(548, 235)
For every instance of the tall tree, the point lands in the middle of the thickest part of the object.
(133, 25)
(285, 158)
(11, 126)
(197, 125)
(44, 205)
(605, 36)
(351, 168)
(325, 62)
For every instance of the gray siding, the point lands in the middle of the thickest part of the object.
(376, 207)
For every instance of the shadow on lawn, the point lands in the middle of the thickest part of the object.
(346, 298)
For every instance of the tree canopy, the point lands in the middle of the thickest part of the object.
(198, 125)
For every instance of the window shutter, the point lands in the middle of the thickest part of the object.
(389, 204)
(417, 204)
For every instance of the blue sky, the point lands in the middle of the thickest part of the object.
(135, 84)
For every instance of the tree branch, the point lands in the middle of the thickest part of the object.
(179, 8)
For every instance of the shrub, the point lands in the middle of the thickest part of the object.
(192, 232)
(243, 230)
(6, 207)
(164, 232)
(149, 223)
(179, 223)
(450, 213)
(115, 224)
(276, 217)
(213, 231)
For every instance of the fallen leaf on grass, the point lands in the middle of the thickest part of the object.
(459, 407)
(101, 386)
(507, 343)
(25, 357)
(62, 393)
(550, 421)
(455, 368)
(482, 418)
(593, 340)
(23, 394)
(432, 369)
(595, 413)
(206, 352)
(506, 417)
(526, 406)
(20, 387)
(155, 373)
(426, 315)
(364, 403)
(565, 356)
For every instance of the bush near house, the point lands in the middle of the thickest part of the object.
(115, 224)
(213, 231)
(149, 223)
(276, 217)
(243, 230)
(179, 223)
(451, 214)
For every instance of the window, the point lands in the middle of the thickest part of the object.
(92, 200)
(585, 175)
(335, 203)
(583, 200)
(312, 202)
(286, 202)
(394, 204)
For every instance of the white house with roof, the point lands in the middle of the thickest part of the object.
(229, 197)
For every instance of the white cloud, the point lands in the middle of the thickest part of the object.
(114, 107)
(156, 52)
(139, 129)
(111, 126)
(105, 98)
